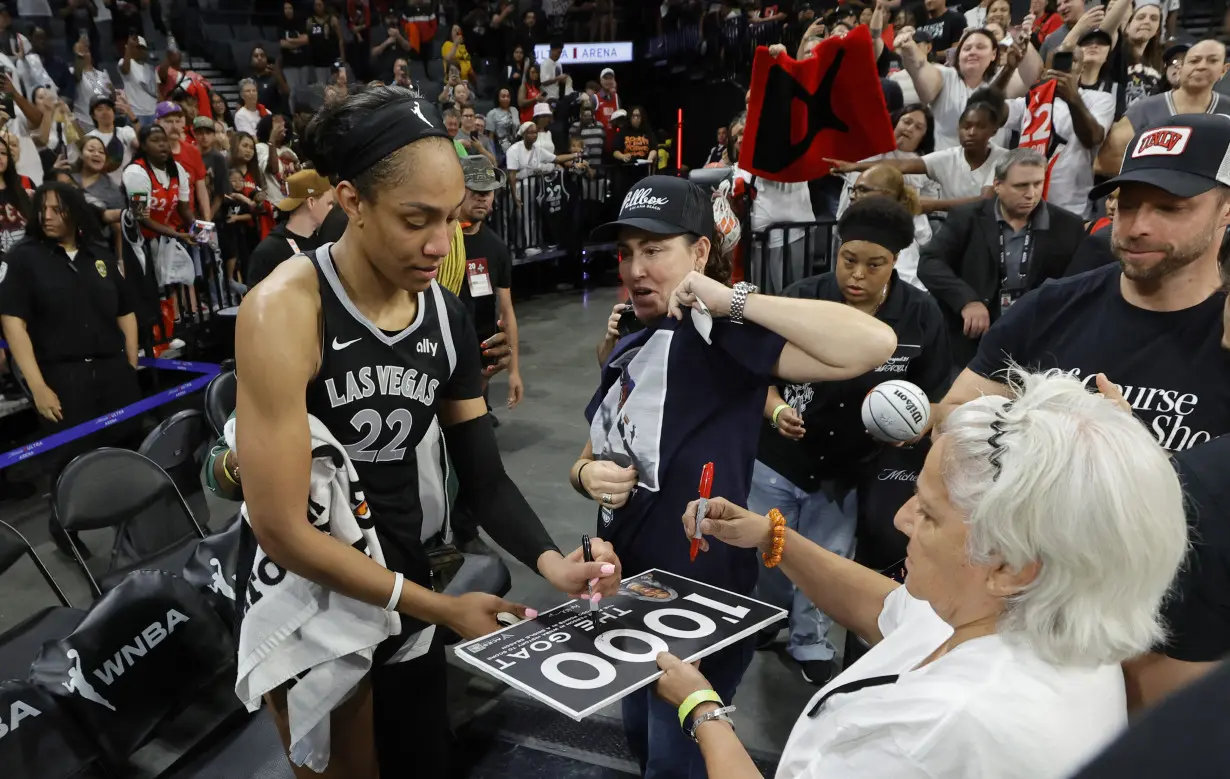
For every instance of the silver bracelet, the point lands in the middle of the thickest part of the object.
(722, 714)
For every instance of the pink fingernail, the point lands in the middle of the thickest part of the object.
(608, 569)
(597, 597)
(531, 613)
(585, 596)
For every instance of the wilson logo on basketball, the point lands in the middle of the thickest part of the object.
(1163, 142)
(911, 407)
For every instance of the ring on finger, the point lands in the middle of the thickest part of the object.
(607, 499)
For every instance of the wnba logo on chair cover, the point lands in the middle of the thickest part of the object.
(1163, 142)
(124, 659)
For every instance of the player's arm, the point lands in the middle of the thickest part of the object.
(497, 503)
(277, 351)
(1153, 676)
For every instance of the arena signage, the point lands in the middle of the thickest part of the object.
(577, 661)
(588, 53)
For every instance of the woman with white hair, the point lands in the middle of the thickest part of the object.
(1044, 534)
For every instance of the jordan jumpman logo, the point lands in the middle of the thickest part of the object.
(77, 682)
(219, 584)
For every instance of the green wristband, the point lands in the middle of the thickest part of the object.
(777, 412)
(694, 700)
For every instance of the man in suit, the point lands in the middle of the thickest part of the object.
(991, 252)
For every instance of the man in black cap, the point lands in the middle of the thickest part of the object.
(487, 291)
(1156, 326)
(1153, 324)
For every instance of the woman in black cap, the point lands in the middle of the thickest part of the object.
(361, 336)
(688, 390)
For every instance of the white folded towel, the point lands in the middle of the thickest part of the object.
(295, 629)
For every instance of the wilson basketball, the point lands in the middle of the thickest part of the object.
(896, 411)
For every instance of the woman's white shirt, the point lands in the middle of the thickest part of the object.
(777, 202)
(989, 708)
(247, 120)
(136, 179)
(952, 172)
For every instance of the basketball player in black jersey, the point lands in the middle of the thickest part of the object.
(362, 337)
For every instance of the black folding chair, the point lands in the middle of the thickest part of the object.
(178, 446)
(40, 741)
(124, 490)
(220, 400)
(20, 644)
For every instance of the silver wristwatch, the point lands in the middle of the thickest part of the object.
(739, 299)
(722, 714)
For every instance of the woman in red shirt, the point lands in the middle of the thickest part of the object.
(527, 96)
(243, 159)
(14, 200)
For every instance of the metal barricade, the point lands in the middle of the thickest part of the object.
(787, 252)
(548, 215)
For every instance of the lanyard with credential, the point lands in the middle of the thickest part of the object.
(294, 247)
(1013, 288)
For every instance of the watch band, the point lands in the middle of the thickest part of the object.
(722, 714)
(738, 300)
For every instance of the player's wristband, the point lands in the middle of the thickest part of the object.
(694, 700)
(777, 412)
(398, 583)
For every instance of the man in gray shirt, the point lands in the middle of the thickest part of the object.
(1203, 65)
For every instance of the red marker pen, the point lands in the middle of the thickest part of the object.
(706, 484)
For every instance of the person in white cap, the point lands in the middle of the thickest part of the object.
(607, 103)
(542, 119)
(140, 86)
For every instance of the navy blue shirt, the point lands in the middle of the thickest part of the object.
(669, 403)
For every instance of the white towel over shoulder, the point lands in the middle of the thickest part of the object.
(294, 628)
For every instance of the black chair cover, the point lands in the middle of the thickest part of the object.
(220, 400)
(146, 651)
(213, 568)
(37, 740)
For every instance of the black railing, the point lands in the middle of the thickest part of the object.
(545, 215)
(787, 252)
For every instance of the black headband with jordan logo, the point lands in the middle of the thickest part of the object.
(390, 127)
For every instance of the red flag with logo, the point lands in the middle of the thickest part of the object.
(828, 105)
(1037, 128)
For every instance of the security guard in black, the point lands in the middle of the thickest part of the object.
(71, 310)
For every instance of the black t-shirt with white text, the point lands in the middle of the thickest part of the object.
(486, 253)
(945, 30)
(1170, 365)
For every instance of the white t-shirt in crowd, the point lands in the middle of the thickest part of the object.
(128, 137)
(535, 159)
(140, 89)
(989, 708)
(948, 107)
(1072, 168)
(549, 69)
(90, 84)
(137, 180)
(246, 121)
(952, 172)
(777, 202)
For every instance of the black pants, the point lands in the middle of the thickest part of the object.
(89, 389)
(410, 715)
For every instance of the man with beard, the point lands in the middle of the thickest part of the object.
(1154, 324)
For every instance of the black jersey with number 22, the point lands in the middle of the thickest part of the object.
(378, 392)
